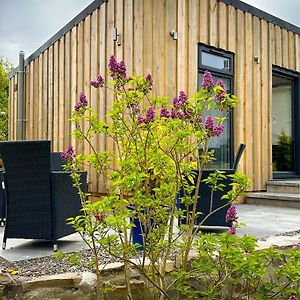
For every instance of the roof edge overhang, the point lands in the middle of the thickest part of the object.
(247, 8)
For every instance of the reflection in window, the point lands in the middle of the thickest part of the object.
(215, 61)
(282, 127)
(220, 65)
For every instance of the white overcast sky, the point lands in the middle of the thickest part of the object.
(27, 24)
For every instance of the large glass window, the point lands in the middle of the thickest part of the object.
(282, 124)
(220, 64)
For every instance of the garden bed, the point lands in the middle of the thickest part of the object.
(69, 276)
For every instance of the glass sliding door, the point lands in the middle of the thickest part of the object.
(283, 133)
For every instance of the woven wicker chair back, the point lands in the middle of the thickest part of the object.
(28, 188)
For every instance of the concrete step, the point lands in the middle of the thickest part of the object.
(274, 199)
(284, 186)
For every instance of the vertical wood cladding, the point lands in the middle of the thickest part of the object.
(55, 78)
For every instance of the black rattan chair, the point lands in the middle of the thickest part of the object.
(2, 200)
(57, 162)
(38, 201)
(203, 205)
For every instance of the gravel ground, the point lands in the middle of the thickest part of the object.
(49, 265)
(62, 263)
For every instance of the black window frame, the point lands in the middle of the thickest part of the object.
(229, 74)
(294, 76)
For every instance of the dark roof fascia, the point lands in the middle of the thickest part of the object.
(74, 22)
(262, 15)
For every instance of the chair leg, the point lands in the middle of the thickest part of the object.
(4, 243)
(55, 247)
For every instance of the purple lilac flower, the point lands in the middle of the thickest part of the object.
(140, 119)
(149, 79)
(164, 113)
(293, 298)
(150, 114)
(199, 119)
(176, 102)
(180, 100)
(82, 101)
(207, 81)
(220, 83)
(222, 92)
(122, 68)
(173, 114)
(77, 106)
(180, 115)
(231, 230)
(218, 130)
(231, 214)
(99, 82)
(187, 114)
(117, 69)
(100, 218)
(182, 97)
(209, 123)
(68, 154)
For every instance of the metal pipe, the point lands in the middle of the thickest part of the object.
(21, 99)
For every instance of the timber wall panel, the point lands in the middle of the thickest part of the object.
(148, 34)
(102, 70)
(183, 46)
(257, 103)
(55, 78)
(45, 99)
(67, 95)
(264, 84)
(61, 93)
(170, 47)
(27, 94)
(94, 73)
(40, 97)
(55, 140)
(74, 64)
(248, 94)
(297, 52)
(50, 112)
(87, 73)
(80, 55)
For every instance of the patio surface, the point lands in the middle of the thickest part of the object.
(260, 221)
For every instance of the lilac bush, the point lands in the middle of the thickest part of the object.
(157, 144)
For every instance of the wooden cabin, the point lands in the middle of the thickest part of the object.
(255, 53)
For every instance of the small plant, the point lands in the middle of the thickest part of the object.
(59, 255)
(229, 267)
(73, 259)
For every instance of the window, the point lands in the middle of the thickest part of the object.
(220, 64)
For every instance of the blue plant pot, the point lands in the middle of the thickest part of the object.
(137, 233)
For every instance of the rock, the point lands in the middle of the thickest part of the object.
(67, 280)
(57, 294)
(119, 292)
(87, 283)
(5, 279)
(112, 267)
(88, 278)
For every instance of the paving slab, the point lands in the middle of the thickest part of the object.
(260, 221)
(20, 249)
